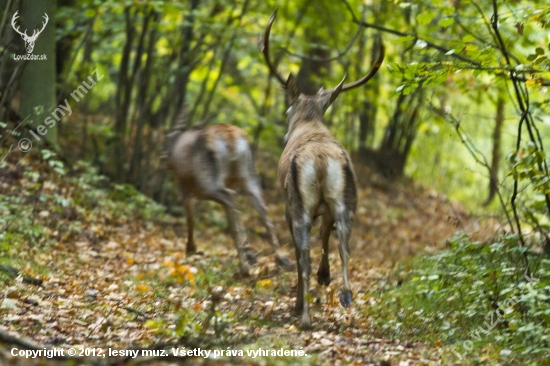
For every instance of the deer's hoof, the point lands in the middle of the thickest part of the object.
(305, 324)
(284, 262)
(244, 271)
(323, 276)
(190, 249)
(346, 298)
(250, 257)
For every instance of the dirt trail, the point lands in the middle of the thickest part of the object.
(103, 286)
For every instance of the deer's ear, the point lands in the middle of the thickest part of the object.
(292, 91)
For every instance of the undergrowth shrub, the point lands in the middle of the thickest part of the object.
(471, 297)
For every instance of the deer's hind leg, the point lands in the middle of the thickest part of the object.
(323, 274)
(212, 183)
(252, 186)
(191, 247)
(343, 229)
(211, 179)
(301, 234)
(225, 197)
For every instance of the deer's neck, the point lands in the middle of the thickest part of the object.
(305, 128)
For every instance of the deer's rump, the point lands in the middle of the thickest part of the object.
(320, 176)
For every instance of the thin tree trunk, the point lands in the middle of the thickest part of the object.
(123, 98)
(136, 162)
(184, 71)
(495, 157)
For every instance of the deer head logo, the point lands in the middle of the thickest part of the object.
(29, 40)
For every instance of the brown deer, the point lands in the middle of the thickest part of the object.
(205, 161)
(318, 179)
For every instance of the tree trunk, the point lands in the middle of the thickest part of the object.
(144, 112)
(185, 62)
(399, 136)
(123, 95)
(39, 77)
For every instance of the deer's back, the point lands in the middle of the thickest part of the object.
(203, 155)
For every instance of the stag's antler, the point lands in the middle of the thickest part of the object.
(371, 73)
(264, 47)
(364, 79)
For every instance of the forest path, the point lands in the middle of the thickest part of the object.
(112, 286)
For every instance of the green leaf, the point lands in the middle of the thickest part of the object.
(404, 39)
(540, 60)
(539, 51)
(532, 57)
(424, 18)
(448, 10)
(154, 324)
(446, 22)
(468, 38)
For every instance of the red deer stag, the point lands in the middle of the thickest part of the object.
(318, 179)
(205, 161)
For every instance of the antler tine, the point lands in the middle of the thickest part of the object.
(264, 47)
(14, 26)
(371, 73)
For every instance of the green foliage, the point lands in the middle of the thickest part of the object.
(471, 292)
(441, 46)
(527, 166)
(117, 202)
(57, 165)
(39, 211)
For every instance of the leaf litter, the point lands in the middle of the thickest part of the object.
(125, 282)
